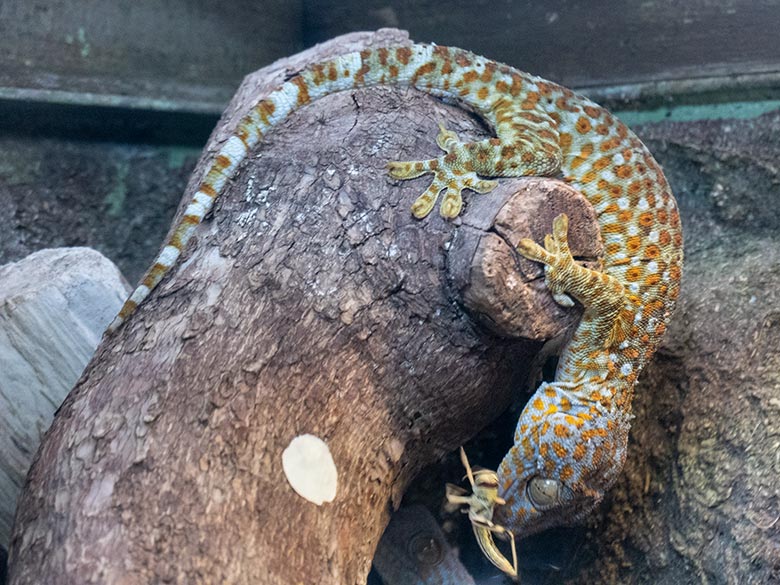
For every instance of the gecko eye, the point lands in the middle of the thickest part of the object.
(543, 493)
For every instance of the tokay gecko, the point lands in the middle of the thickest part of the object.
(570, 442)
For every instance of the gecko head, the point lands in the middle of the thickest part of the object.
(560, 466)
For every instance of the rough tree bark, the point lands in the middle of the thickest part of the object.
(310, 302)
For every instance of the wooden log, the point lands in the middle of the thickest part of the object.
(310, 303)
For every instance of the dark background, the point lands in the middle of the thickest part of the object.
(105, 105)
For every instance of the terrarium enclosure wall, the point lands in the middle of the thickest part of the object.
(110, 112)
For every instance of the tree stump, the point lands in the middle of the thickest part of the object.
(310, 302)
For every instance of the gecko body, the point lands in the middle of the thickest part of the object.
(570, 442)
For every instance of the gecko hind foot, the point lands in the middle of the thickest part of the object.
(449, 175)
(559, 265)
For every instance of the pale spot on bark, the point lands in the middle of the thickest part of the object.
(310, 470)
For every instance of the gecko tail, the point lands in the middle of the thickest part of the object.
(228, 158)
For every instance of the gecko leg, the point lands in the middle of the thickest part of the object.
(450, 174)
(604, 295)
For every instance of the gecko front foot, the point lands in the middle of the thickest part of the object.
(450, 174)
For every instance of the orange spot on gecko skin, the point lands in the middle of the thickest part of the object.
(631, 353)
(393, 70)
(517, 85)
(593, 111)
(502, 87)
(154, 274)
(633, 243)
(550, 391)
(652, 251)
(560, 450)
(546, 134)
(403, 54)
(583, 125)
(383, 54)
(652, 279)
(462, 60)
(549, 467)
(441, 51)
(634, 188)
(651, 307)
(579, 452)
(659, 330)
(507, 483)
(624, 171)
(528, 449)
(633, 274)
(487, 74)
(545, 88)
(565, 139)
(208, 190)
(566, 473)
(470, 76)
(589, 177)
(318, 73)
(626, 215)
(602, 163)
(664, 238)
(612, 228)
(221, 162)
(563, 104)
(483, 93)
(303, 90)
(610, 144)
(333, 74)
(602, 129)
(562, 431)
(674, 272)
(646, 219)
(538, 404)
(423, 70)
(265, 109)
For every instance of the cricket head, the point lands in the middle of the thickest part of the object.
(565, 457)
